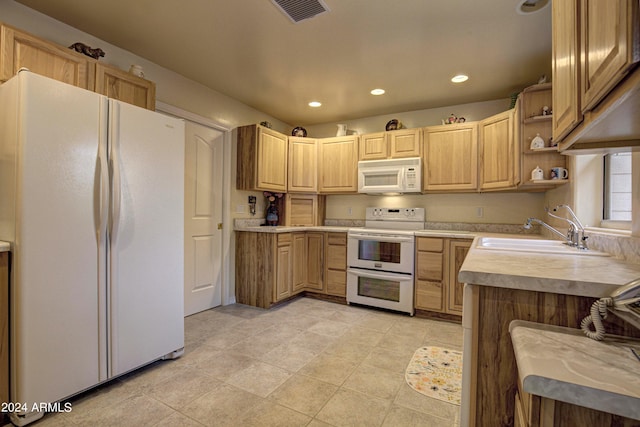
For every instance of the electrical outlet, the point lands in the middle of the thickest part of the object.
(349, 211)
(240, 208)
(479, 212)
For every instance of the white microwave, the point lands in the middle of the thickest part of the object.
(393, 176)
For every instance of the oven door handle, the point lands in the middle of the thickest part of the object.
(379, 275)
(381, 237)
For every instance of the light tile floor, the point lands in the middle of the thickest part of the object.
(306, 363)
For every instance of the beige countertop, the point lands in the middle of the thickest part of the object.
(4, 246)
(563, 364)
(581, 275)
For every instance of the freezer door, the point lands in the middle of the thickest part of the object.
(146, 255)
(55, 323)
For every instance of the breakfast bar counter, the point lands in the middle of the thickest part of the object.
(547, 288)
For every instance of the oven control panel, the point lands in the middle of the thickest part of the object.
(396, 214)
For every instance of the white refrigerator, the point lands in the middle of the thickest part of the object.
(91, 200)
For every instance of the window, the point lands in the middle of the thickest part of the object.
(617, 190)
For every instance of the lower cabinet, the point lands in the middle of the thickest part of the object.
(271, 267)
(438, 261)
(335, 267)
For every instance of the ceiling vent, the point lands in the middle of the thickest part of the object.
(299, 10)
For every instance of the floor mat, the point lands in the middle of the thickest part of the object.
(436, 372)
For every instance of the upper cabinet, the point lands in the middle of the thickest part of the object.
(499, 154)
(19, 49)
(303, 165)
(596, 45)
(125, 87)
(450, 157)
(338, 164)
(390, 145)
(261, 159)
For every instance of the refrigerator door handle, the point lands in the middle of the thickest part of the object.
(116, 194)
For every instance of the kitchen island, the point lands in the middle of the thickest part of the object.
(502, 286)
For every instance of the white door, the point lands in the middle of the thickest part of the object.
(203, 213)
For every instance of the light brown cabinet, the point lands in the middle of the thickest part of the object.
(458, 250)
(303, 165)
(335, 268)
(531, 102)
(283, 266)
(314, 263)
(451, 157)
(596, 84)
(19, 49)
(303, 209)
(261, 159)
(429, 274)
(273, 267)
(438, 261)
(391, 145)
(125, 87)
(499, 154)
(338, 164)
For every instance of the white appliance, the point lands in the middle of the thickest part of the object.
(392, 176)
(380, 259)
(91, 199)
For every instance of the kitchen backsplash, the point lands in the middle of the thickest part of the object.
(626, 248)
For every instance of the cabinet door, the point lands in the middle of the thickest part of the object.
(303, 165)
(19, 49)
(451, 157)
(608, 46)
(299, 261)
(458, 250)
(315, 261)
(566, 64)
(271, 161)
(404, 143)
(497, 152)
(373, 146)
(429, 295)
(338, 165)
(284, 271)
(125, 87)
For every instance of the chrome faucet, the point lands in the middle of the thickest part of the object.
(575, 235)
(576, 228)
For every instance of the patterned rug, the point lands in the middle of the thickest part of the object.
(436, 372)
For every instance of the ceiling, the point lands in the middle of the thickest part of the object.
(251, 51)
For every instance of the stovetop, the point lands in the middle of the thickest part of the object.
(395, 218)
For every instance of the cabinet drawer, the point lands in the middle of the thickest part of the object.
(337, 257)
(284, 238)
(430, 244)
(429, 266)
(337, 282)
(337, 238)
(429, 295)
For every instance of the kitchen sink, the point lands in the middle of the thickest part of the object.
(533, 245)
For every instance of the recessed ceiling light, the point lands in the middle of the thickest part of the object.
(459, 78)
(377, 92)
(315, 104)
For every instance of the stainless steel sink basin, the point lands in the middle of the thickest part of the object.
(533, 245)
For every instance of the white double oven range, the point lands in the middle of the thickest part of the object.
(380, 258)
